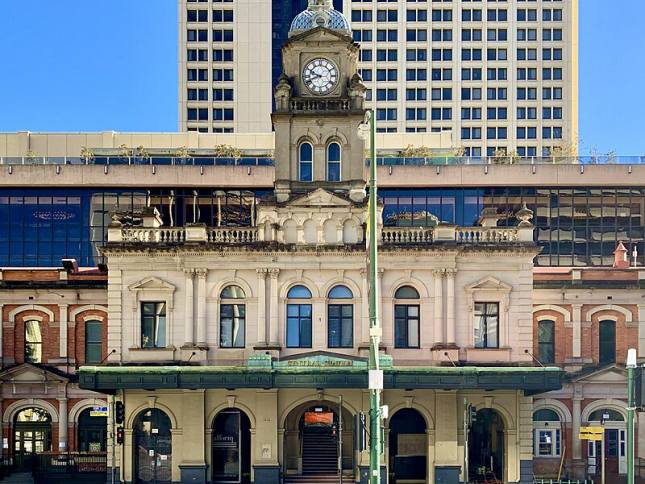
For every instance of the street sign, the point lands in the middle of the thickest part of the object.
(592, 430)
(99, 411)
(597, 437)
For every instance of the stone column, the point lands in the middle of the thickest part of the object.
(577, 329)
(63, 329)
(201, 307)
(575, 427)
(189, 333)
(450, 307)
(62, 425)
(262, 324)
(273, 319)
(439, 337)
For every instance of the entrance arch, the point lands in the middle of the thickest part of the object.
(231, 447)
(32, 430)
(313, 438)
(486, 447)
(615, 441)
(92, 432)
(152, 445)
(408, 446)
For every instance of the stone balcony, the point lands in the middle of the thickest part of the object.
(390, 236)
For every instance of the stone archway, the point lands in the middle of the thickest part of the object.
(231, 447)
(314, 433)
(487, 447)
(408, 446)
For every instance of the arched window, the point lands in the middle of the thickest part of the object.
(232, 317)
(340, 318)
(607, 342)
(406, 318)
(547, 433)
(606, 414)
(333, 162)
(33, 342)
(93, 341)
(546, 341)
(298, 317)
(306, 162)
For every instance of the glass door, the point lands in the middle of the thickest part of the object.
(153, 448)
(27, 443)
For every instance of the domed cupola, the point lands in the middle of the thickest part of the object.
(320, 13)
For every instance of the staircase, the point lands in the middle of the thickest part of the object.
(319, 458)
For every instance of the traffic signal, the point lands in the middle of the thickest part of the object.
(119, 412)
(119, 435)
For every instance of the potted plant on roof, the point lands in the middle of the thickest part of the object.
(87, 155)
(141, 155)
(125, 153)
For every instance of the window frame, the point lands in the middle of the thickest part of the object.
(300, 303)
(550, 344)
(37, 344)
(98, 343)
(156, 345)
(301, 162)
(330, 162)
(234, 302)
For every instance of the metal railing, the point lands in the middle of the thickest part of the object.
(152, 160)
(510, 160)
(268, 161)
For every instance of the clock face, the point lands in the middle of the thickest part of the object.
(320, 76)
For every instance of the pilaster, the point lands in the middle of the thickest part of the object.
(439, 335)
(261, 322)
(201, 307)
(274, 339)
(62, 311)
(189, 333)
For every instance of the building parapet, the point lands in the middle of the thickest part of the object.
(249, 235)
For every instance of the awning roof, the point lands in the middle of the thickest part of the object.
(109, 378)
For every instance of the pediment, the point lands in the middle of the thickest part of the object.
(152, 283)
(489, 283)
(607, 375)
(318, 34)
(319, 198)
(28, 373)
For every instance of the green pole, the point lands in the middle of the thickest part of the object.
(375, 330)
(631, 366)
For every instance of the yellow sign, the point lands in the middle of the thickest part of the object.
(582, 436)
(592, 430)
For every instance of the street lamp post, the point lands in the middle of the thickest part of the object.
(375, 374)
(631, 371)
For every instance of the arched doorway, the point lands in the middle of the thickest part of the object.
(152, 444)
(32, 431)
(408, 445)
(486, 447)
(615, 444)
(315, 435)
(231, 447)
(92, 432)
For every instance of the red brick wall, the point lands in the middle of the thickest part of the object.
(50, 335)
(625, 335)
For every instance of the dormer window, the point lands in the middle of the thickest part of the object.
(333, 162)
(305, 162)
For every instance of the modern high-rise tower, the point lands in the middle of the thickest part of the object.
(501, 75)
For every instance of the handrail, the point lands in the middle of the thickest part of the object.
(383, 160)
(150, 160)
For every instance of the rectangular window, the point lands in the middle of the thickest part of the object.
(340, 325)
(486, 325)
(232, 323)
(93, 342)
(299, 325)
(33, 342)
(406, 326)
(546, 342)
(153, 325)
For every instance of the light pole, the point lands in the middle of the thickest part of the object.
(375, 374)
(631, 367)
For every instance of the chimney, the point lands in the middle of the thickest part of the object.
(620, 257)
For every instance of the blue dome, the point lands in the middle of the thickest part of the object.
(320, 17)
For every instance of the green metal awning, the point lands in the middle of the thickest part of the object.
(318, 371)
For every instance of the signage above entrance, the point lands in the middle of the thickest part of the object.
(321, 360)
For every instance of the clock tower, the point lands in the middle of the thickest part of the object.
(319, 104)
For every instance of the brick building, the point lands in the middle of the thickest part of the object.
(585, 320)
(53, 321)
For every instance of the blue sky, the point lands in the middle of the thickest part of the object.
(89, 65)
